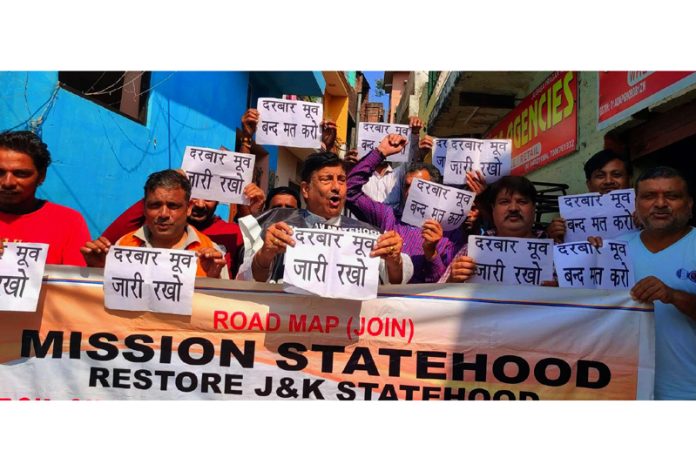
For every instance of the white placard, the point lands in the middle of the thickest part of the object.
(143, 279)
(581, 265)
(371, 134)
(511, 260)
(289, 123)
(439, 154)
(333, 263)
(493, 157)
(218, 175)
(21, 271)
(428, 200)
(592, 214)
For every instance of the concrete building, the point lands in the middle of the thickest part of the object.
(336, 100)
(358, 97)
(374, 113)
(395, 84)
(409, 103)
(651, 117)
(107, 131)
(405, 90)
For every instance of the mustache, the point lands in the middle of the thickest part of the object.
(513, 214)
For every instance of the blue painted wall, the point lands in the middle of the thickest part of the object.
(102, 159)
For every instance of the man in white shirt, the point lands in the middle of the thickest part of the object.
(324, 191)
(384, 186)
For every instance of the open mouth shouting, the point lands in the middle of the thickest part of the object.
(334, 201)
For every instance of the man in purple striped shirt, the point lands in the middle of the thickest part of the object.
(430, 249)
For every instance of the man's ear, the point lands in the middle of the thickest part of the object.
(304, 189)
(189, 208)
(42, 177)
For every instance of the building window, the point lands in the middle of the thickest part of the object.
(125, 93)
(432, 80)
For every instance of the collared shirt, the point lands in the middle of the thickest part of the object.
(226, 235)
(386, 218)
(251, 234)
(253, 241)
(192, 242)
(386, 188)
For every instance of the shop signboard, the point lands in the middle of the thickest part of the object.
(544, 126)
(623, 93)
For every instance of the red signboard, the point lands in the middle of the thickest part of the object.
(623, 93)
(544, 127)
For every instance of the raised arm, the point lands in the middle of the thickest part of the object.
(250, 119)
(328, 135)
(371, 211)
(418, 149)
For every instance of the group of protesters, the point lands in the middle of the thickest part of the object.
(367, 192)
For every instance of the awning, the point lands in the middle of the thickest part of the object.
(471, 103)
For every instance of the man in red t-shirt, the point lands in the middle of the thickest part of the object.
(24, 159)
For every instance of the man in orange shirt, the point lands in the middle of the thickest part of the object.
(167, 207)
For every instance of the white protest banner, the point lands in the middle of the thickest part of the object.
(592, 214)
(218, 175)
(21, 271)
(252, 341)
(581, 265)
(428, 200)
(333, 263)
(493, 157)
(289, 123)
(143, 279)
(511, 260)
(439, 153)
(371, 134)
